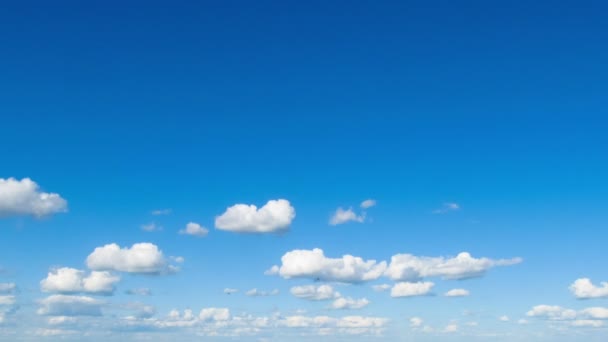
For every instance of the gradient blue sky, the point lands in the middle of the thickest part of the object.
(122, 109)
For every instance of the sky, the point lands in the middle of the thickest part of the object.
(303, 171)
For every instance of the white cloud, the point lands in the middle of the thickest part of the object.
(583, 288)
(161, 212)
(595, 313)
(551, 312)
(451, 328)
(275, 216)
(62, 305)
(342, 216)
(23, 197)
(140, 258)
(504, 318)
(381, 287)
(457, 293)
(195, 229)
(411, 267)
(7, 300)
(260, 293)
(70, 280)
(522, 321)
(368, 203)
(314, 264)
(230, 291)
(447, 207)
(7, 287)
(216, 314)
(416, 322)
(311, 292)
(349, 303)
(151, 227)
(407, 289)
(588, 323)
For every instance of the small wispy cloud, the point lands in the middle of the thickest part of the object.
(230, 291)
(260, 293)
(342, 216)
(368, 203)
(151, 227)
(159, 212)
(447, 207)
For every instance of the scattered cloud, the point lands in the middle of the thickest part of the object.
(143, 258)
(194, 229)
(368, 203)
(141, 291)
(381, 287)
(349, 303)
(457, 293)
(23, 197)
(7, 300)
(342, 216)
(504, 318)
(71, 280)
(416, 322)
(451, 328)
(312, 292)
(558, 313)
(447, 207)
(7, 288)
(159, 212)
(313, 264)
(151, 227)
(260, 293)
(583, 288)
(230, 291)
(62, 305)
(407, 289)
(411, 267)
(275, 216)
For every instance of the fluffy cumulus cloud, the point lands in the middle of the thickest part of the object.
(261, 293)
(143, 258)
(592, 317)
(312, 292)
(583, 289)
(407, 289)
(314, 264)
(411, 267)
(275, 216)
(368, 203)
(62, 305)
(23, 197)
(342, 216)
(457, 293)
(194, 229)
(70, 280)
(349, 303)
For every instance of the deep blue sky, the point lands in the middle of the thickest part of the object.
(499, 106)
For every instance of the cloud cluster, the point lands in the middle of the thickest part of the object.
(275, 216)
(314, 264)
(583, 288)
(589, 317)
(143, 258)
(312, 292)
(403, 267)
(63, 305)
(71, 280)
(411, 267)
(23, 197)
(260, 293)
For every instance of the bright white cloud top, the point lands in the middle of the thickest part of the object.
(407, 289)
(411, 267)
(70, 280)
(314, 264)
(457, 293)
(23, 197)
(583, 288)
(275, 216)
(140, 258)
(194, 229)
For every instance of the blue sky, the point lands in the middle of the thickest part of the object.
(476, 127)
